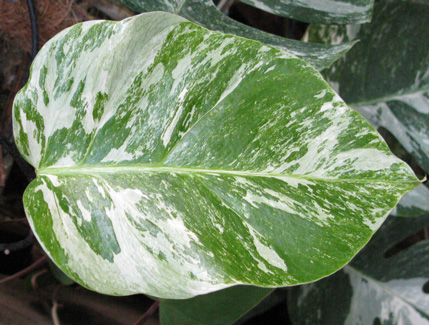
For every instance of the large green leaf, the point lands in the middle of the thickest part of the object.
(386, 76)
(205, 13)
(220, 307)
(175, 161)
(377, 288)
(319, 11)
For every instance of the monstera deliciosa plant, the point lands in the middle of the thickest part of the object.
(176, 161)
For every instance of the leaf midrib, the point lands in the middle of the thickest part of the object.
(95, 170)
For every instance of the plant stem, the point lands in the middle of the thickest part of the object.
(34, 28)
(148, 313)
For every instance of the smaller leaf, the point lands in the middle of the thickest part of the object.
(220, 307)
(319, 11)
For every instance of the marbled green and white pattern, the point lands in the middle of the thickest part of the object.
(319, 11)
(205, 13)
(175, 161)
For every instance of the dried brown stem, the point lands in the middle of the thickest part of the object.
(148, 314)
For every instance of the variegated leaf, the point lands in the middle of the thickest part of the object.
(175, 161)
(319, 11)
(205, 13)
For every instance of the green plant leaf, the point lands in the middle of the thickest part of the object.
(319, 11)
(175, 161)
(205, 13)
(381, 286)
(386, 75)
(220, 307)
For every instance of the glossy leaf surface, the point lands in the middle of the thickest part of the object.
(205, 13)
(221, 307)
(319, 11)
(386, 75)
(175, 161)
(383, 285)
